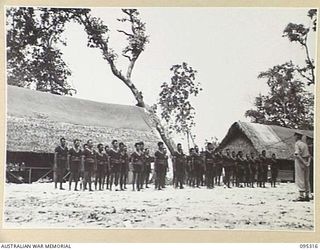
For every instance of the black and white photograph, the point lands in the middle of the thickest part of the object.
(160, 118)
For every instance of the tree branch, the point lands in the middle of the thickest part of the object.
(127, 34)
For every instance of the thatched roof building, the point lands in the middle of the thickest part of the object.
(253, 137)
(37, 120)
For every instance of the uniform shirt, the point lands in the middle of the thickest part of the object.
(301, 149)
(209, 158)
(114, 156)
(160, 158)
(123, 157)
(229, 161)
(75, 156)
(240, 162)
(179, 157)
(101, 158)
(89, 155)
(274, 164)
(137, 158)
(148, 159)
(62, 153)
(252, 163)
(197, 160)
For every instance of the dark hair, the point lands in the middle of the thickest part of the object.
(89, 141)
(136, 144)
(62, 138)
(160, 143)
(74, 141)
(179, 144)
(141, 143)
(121, 144)
(99, 145)
(209, 144)
(114, 141)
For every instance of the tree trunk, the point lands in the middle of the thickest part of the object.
(163, 134)
(188, 141)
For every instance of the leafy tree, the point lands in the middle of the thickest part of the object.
(33, 59)
(287, 104)
(298, 33)
(98, 37)
(176, 108)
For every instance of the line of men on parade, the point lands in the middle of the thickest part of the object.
(110, 166)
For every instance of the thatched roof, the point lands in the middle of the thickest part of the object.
(274, 139)
(36, 121)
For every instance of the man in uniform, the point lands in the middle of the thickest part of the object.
(240, 169)
(142, 173)
(234, 168)
(137, 164)
(107, 170)
(219, 165)
(190, 168)
(60, 162)
(74, 159)
(179, 166)
(89, 158)
(264, 167)
(198, 166)
(160, 164)
(228, 166)
(209, 165)
(102, 161)
(274, 169)
(124, 159)
(253, 169)
(301, 166)
(114, 156)
(148, 159)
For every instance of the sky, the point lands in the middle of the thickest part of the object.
(228, 47)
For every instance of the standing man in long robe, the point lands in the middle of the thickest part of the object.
(301, 167)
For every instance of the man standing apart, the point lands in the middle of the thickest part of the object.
(301, 167)
(60, 162)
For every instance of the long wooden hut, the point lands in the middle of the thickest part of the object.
(37, 120)
(253, 137)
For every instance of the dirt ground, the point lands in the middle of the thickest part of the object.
(41, 206)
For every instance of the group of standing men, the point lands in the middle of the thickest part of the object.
(108, 166)
(206, 168)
